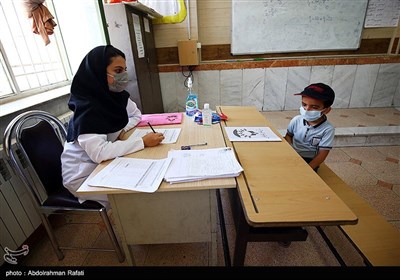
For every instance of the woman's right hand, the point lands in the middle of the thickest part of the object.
(152, 139)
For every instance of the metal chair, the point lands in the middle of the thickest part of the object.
(35, 157)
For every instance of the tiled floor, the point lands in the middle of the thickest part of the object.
(373, 172)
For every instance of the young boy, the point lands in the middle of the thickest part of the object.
(310, 133)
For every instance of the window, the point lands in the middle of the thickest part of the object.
(27, 65)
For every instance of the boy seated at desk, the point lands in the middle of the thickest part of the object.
(310, 133)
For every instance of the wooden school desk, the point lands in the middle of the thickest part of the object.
(278, 193)
(177, 213)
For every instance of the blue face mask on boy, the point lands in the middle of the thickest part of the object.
(310, 115)
(120, 82)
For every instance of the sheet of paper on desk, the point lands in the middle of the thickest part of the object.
(170, 134)
(251, 134)
(142, 175)
(194, 165)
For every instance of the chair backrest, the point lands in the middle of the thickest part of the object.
(43, 149)
(40, 138)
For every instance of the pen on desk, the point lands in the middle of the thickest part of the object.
(151, 127)
(189, 147)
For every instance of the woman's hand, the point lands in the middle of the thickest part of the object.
(152, 139)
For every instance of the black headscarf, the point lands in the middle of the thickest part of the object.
(96, 108)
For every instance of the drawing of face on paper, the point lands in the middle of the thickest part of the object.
(245, 133)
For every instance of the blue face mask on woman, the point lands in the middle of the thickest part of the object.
(120, 82)
(310, 115)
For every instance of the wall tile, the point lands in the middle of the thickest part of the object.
(298, 78)
(209, 88)
(253, 87)
(396, 99)
(322, 74)
(168, 89)
(342, 84)
(364, 84)
(231, 87)
(386, 84)
(275, 88)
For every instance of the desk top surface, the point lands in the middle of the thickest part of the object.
(191, 133)
(277, 187)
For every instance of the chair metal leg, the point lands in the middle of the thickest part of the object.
(111, 233)
(52, 237)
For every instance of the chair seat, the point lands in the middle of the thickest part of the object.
(63, 198)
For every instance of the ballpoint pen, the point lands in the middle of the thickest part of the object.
(151, 127)
(188, 147)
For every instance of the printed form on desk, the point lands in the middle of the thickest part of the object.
(142, 175)
(251, 133)
(170, 134)
(195, 165)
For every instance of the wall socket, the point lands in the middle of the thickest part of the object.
(188, 53)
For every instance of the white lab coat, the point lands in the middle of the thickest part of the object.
(82, 156)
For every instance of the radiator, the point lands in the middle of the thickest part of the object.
(18, 217)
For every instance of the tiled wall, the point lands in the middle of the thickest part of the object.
(272, 89)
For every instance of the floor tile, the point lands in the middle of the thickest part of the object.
(352, 174)
(337, 155)
(385, 201)
(363, 154)
(312, 252)
(383, 170)
(187, 254)
(396, 189)
(389, 151)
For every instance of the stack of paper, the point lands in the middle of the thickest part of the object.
(194, 165)
(142, 175)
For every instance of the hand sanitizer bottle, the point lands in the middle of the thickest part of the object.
(207, 115)
(191, 100)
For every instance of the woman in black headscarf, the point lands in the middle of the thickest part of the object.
(103, 112)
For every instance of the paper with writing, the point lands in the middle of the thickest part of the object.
(194, 165)
(142, 175)
(171, 134)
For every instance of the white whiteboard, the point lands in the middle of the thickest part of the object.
(275, 26)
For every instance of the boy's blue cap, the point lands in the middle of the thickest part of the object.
(319, 91)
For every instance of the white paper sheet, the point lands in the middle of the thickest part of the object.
(251, 134)
(194, 165)
(142, 175)
(171, 134)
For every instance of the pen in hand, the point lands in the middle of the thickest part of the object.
(151, 127)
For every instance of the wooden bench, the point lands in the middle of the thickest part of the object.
(375, 239)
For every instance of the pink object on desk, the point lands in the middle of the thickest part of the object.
(161, 119)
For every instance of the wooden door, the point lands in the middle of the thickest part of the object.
(145, 60)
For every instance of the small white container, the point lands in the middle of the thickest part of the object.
(207, 115)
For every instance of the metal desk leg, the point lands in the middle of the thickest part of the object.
(331, 247)
(223, 230)
(242, 228)
(242, 231)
